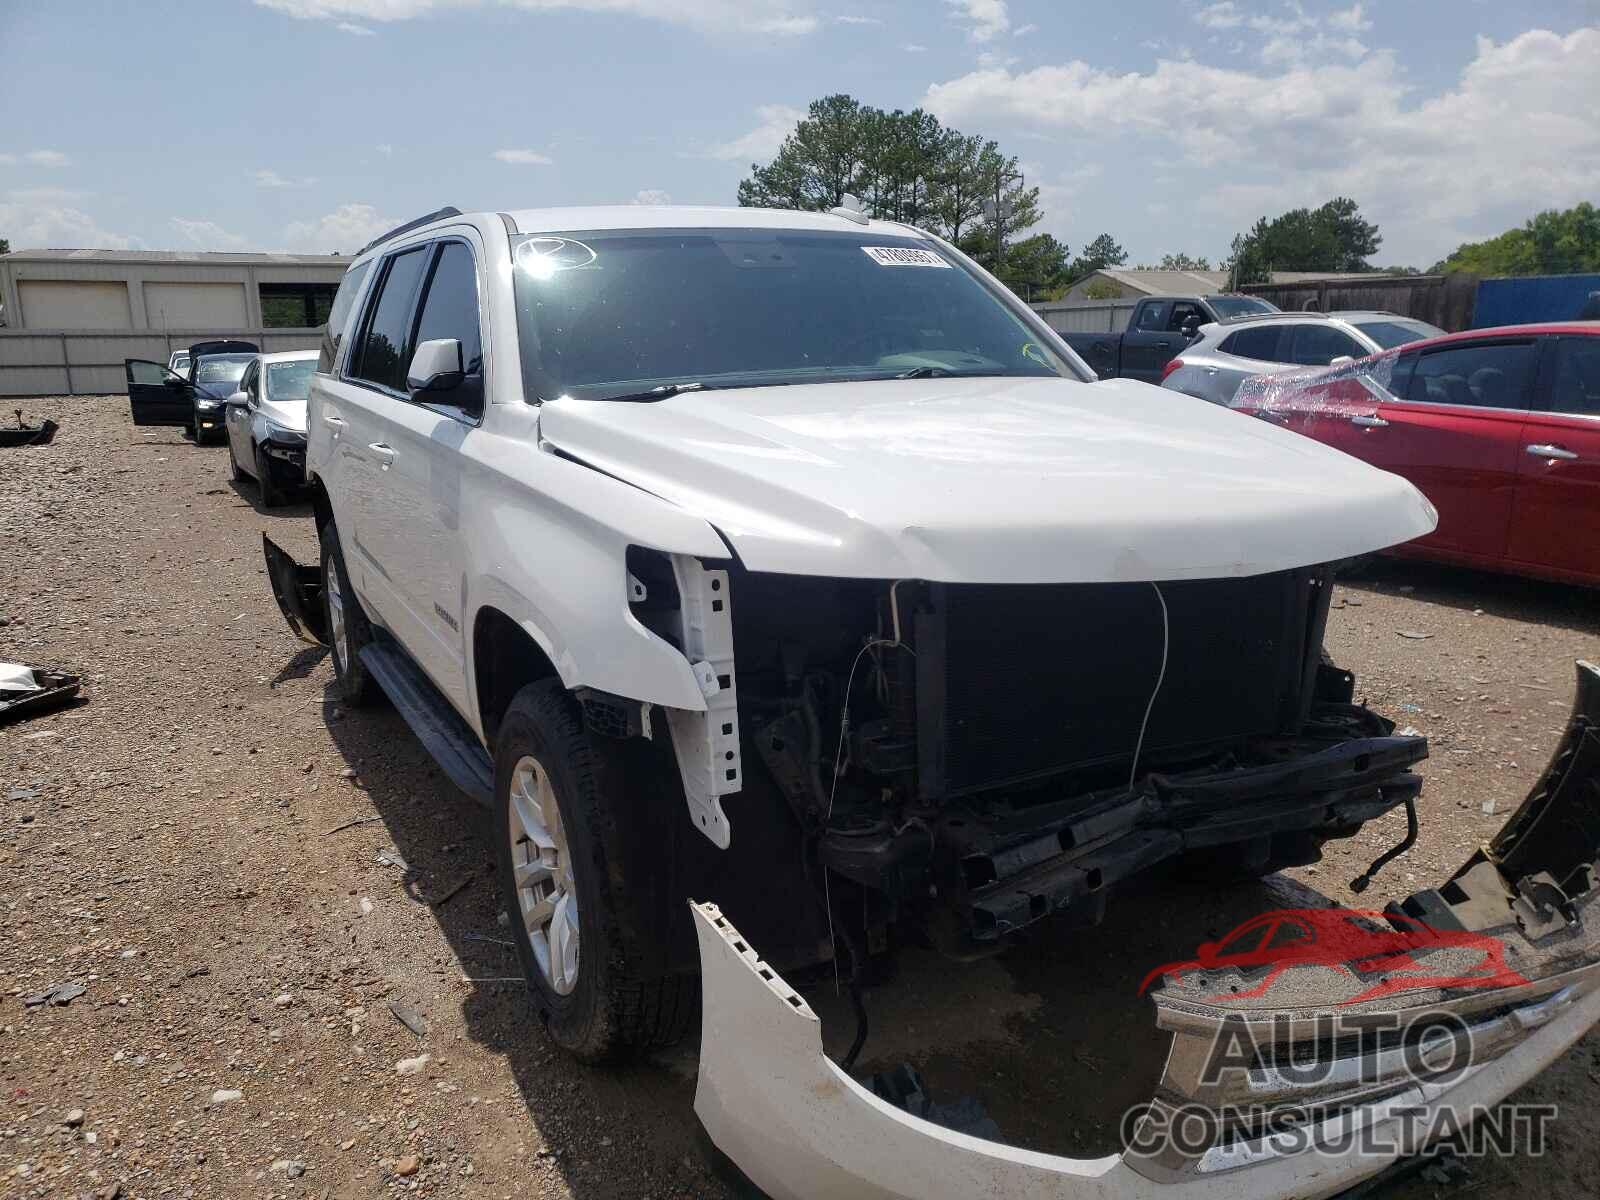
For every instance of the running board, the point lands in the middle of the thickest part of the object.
(443, 734)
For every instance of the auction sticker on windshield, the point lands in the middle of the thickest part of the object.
(903, 256)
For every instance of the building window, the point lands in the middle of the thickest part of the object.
(296, 305)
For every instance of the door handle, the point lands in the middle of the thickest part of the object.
(1550, 450)
(1163, 345)
(1369, 421)
(384, 452)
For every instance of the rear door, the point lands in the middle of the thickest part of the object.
(236, 418)
(1148, 343)
(1457, 435)
(369, 512)
(157, 396)
(1555, 519)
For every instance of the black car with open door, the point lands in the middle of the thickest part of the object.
(159, 396)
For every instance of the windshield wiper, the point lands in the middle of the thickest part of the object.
(942, 373)
(655, 393)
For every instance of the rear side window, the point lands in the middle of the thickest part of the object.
(1492, 375)
(339, 316)
(1182, 314)
(1260, 343)
(1319, 345)
(450, 310)
(1153, 316)
(380, 358)
(1576, 384)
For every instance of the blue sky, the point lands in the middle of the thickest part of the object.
(311, 124)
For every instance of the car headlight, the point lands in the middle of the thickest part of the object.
(282, 433)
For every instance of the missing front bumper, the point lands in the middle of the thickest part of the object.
(298, 591)
(799, 1127)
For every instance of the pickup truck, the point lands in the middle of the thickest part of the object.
(1158, 329)
(785, 591)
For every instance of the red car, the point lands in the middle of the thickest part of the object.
(1365, 944)
(1499, 428)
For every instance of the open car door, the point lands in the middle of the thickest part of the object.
(157, 396)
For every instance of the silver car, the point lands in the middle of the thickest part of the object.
(1228, 352)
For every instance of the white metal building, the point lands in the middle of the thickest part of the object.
(71, 316)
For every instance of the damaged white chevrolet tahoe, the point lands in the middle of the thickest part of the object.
(781, 570)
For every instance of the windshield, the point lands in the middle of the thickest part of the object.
(180, 363)
(1395, 331)
(290, 380)
(1240, 306)
(613, 313)
(221, 369)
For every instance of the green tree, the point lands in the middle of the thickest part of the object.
(5, 246)
(1333, 238)
(906, 166)
(1553, 242)
(1182, 262)
(1036, 267)
(1097, 255)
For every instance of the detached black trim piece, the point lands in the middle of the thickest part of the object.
(58, 690)
(28, 435)
(443, 734)
(298, 591)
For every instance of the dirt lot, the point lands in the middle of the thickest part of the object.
(173, 846)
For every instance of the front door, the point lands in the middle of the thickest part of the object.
(1555, 519)
(1457, 435)
(157, 396)
(236, 418)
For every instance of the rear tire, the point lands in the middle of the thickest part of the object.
(348, 630)
(589, 982)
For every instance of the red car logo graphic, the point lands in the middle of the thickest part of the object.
(1365, 944)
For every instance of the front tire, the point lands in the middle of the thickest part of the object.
(346, 623)
(560, 806)
(235, 472)
(271, 493)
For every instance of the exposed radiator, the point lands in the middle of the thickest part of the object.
(1020, 682)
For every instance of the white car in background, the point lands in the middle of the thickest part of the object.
(266, 423)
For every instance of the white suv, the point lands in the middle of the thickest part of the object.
(786, 561)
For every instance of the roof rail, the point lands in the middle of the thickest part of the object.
(1243, 318)
(436, 215)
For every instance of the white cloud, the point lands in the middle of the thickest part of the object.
(777, 122)
(1223, 15)
(780, 17)
(914, 48)
(987, 19)
(524, 158)
(346, 229)
(652, 196)
(208, 235)
(355, 30)
(49, 218)
(1024, 30)
(268, 178)
(35, 158)
(1501, 143)
(385, 149)
(854, 20)
(1350, 20)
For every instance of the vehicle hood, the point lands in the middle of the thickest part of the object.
(1018, 480)
(291, 414)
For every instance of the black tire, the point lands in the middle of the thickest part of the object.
(355, 686)
(271, 494)
(619, 1004)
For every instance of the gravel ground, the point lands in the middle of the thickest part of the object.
(173, 846)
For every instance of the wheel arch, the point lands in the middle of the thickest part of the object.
(321, 505)
(506, 657)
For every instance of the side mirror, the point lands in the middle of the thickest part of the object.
(436, 366)
(1343, 360)
(239, 399)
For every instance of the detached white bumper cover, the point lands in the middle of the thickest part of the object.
(801, 1129)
